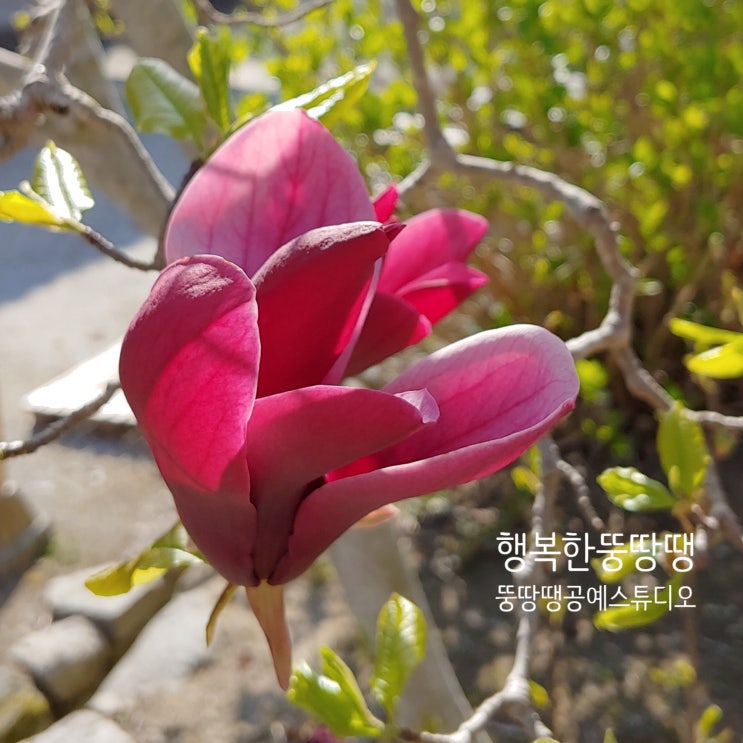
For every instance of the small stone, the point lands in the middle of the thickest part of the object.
(66, 660)
(172, 646)
(24, 710)
(120, 618)
(83, 726)
(23, 533)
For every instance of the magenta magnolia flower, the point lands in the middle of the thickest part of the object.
(283, 175)
(265, 473)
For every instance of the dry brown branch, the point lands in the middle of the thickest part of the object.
(208, 14)
(57, 428)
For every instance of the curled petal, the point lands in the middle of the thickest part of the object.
(385, 203)
(313, 295)
(434, 238)
(391, 325)
(276, 178)
(435, 294)
(294, 438)
(498, 392)
(189, 368)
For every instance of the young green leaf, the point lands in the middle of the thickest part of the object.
(169, 551)
(593, 380)
(722, 362)
(639, 613)
(619, 562)
(620, 618)
(165, 102)
(632, 490)
(333, 697)
(209, 60)
(702, 334)
(18, 207)
(708, 721)
(400, 647)
(60, 182)
(539, 696)
(609, 736)
(332, 99)
(683, 452)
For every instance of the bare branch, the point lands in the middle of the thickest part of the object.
(55, 429)
(582, 494)
(101, 244)
(209, 14)
(438, 148)
(104, 143)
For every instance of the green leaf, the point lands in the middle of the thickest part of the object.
(632, 490)
(623, 557)
(722, 362)
(609, 736)
(330, 101)
(707, 722)
(620, 618)
(60, 182)
(683, 451)
(594, 380)
(703, 334)
(18, 207)
(333, 697)
(169, 551)
(400, 647)
(538, 695)
(165, 102)
(209, 60)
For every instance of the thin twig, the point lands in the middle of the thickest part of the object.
(582, 494)
(208, 13)
(101, 244)
(55, 429)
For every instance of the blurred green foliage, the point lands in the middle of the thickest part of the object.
(639, 101)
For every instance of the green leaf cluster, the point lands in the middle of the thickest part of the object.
(722, 357)
(684, 458)
(333, 695)
(638, 100)
(165, 102)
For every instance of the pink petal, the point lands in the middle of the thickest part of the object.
(312, 295)
(385, 203)
(279, 176)
(431, 239)
(267, 603)
(391, 325)
(498, 392)
(442, 290)
(189, 366)
(295, 437)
